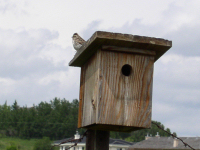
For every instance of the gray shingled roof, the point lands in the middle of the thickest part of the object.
(166, 143)
(192, 141)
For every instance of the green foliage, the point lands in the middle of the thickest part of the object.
(119, 135)
(2, 146)
(2, 135)
(43, 144)
(174, 133)
(139, 135)
(56, 119)
(23, 144)
(13, 146)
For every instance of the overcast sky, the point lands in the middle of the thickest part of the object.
(36, 47)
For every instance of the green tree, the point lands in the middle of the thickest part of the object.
(139, 135)
(15, 116)
(43, 144)
(56, 119)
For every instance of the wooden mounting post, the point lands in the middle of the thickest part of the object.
(97, 140)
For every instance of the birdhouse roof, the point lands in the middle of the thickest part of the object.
(101, 38)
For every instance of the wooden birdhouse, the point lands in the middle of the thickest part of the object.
(116, 80)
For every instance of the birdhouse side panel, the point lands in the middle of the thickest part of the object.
(81, 97)
(126, 97)
(89, 91)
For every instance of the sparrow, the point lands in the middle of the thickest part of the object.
(77, 41)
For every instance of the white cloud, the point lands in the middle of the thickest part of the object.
(180, 70)
(184, 121)
(176, 93)
(33, 68)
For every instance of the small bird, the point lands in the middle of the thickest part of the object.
(77, 41)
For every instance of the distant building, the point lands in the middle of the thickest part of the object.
(166, 143)
(114, 144)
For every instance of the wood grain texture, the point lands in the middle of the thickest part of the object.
(126, 100)
(89, 90)
(129, 50)
(81, 97)
(97, 140)
(110, 100)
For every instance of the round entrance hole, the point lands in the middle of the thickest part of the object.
(126, 70)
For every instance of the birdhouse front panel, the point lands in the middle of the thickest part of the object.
(119, 91)
(126, 97)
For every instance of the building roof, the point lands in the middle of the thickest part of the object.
(111, 141)
(166, 143)
(120, 142)
(63, 140)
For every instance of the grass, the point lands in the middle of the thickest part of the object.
(23, 144)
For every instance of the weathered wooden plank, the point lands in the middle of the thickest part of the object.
(81, 97)
(90, 140)
(129, 50)
(126, 100)
(90, 94)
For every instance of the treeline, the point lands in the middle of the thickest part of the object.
(139, 135)
(56, 119)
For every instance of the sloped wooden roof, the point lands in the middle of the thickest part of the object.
(100, 38)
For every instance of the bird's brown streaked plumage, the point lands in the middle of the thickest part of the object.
(77, 41)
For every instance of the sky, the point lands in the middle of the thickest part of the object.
(36, 47)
